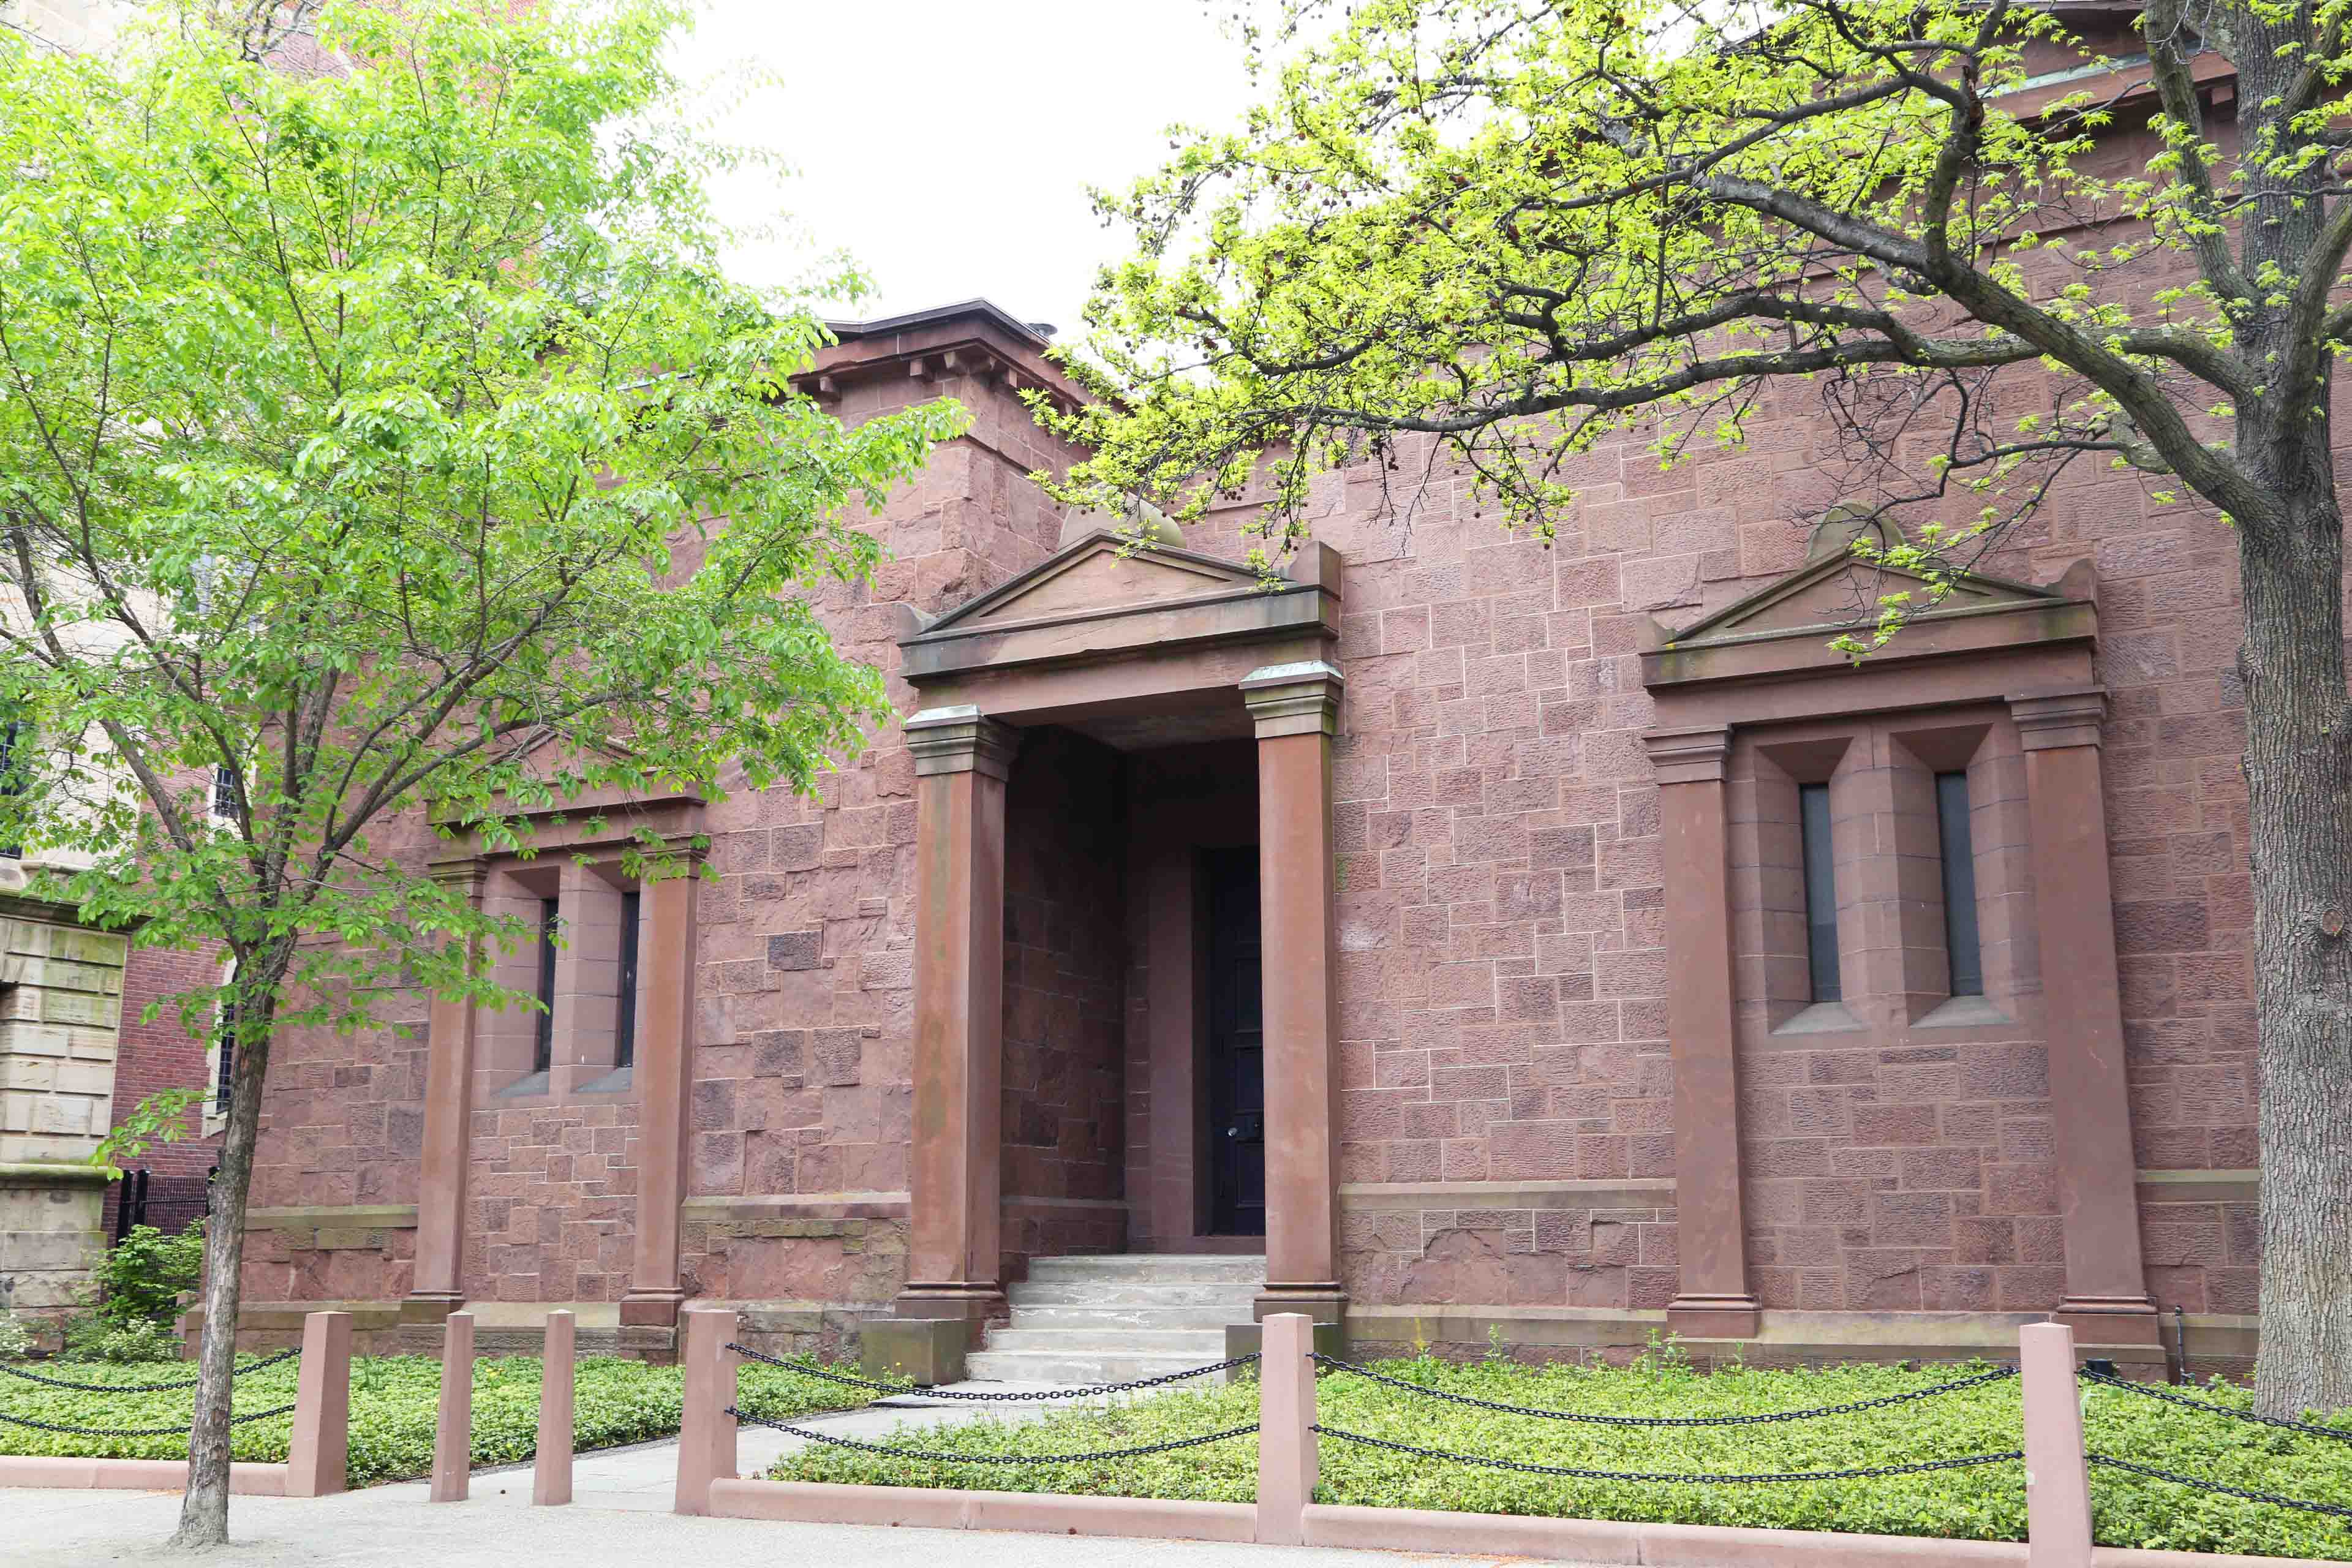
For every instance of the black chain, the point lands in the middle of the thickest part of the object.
(1996, 1375)
(1916, 1468)
(1170, 1447)
(135, 1431)
(2198, 1483)
(1041, 1394)
(141, 1387)
(2341, 1435)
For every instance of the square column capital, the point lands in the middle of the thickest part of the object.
(961, 740)
(1694, 755)
(2047, 720)
(1294, 699)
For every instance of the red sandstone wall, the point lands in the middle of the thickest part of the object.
(1503, 964)
(804, 1104)
(1065, 1079)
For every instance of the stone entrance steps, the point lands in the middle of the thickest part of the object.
(1111, 1318)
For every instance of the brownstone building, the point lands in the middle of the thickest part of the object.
(1468, 938)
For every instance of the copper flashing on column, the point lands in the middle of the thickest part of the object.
(2106, 1297)
(1713, 1300)
(962, 760)
(1296, 708)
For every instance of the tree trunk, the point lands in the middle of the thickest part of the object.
(204, 1512)
(2299, 785)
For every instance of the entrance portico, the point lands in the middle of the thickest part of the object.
(1135, 650)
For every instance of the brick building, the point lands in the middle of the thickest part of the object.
(1468, 938)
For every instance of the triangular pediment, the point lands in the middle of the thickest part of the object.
(1845, 591)
(1104, 572)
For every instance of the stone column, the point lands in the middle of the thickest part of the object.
(2106, 1299)
(955, 1168)
(1712, 1300)
(663, 1078)
(438, 1285)
(1296, 711)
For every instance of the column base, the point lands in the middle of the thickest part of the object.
(652, 1309)
(1324, 1303)
(430, 1306)
(1714, 1317)
(976, 1304)
(927, 1351)
(2111, 1320)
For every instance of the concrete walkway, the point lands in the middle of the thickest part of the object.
(619, 1518)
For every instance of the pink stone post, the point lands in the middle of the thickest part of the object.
(551, 1471)
(316, 1457)
(453, 1435)
(1287, 1456)
(706, 1437)
(2057, 1476)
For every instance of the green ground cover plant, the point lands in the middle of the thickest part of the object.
(393, 1399)
(1985, 1503)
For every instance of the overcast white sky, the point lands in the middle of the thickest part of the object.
(947, 144)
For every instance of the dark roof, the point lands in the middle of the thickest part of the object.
(1037, 332)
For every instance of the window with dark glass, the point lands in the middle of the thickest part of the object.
(625, 1024)
(1820, 891)
(13, 737)
(542, 1044)
(1960, 939)
(225, 792)
(225, 1047)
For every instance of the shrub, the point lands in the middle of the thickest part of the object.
(15, 1340)
(1982, 1502)
(394, 1402)
(91, 1337)
(140, 1279)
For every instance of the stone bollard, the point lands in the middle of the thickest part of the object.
(706, 1436)
(453, 1434)
(318, 1456)
(1287, 1456)
(551, 1471)
(2057, 1476)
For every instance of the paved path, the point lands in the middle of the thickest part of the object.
(619, 1518)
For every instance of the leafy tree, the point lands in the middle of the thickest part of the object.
(362, 439)
(1487, 235)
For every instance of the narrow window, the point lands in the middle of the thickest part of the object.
(1820, 891)
(624, 1035)
(225, 1047)
(12, 777)
(543, 1050)
(1960, 939)
(225, 799)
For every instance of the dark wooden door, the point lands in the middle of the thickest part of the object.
(1236, 1047)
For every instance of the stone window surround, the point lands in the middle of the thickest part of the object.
(1889, 859)
(597, 829)
(1719, 689)
(587, 890)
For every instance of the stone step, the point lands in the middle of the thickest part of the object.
(1145, 1267)
(1202, 1344)
(1212, 1316)
(1119, 1293)
(1056, 1367)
